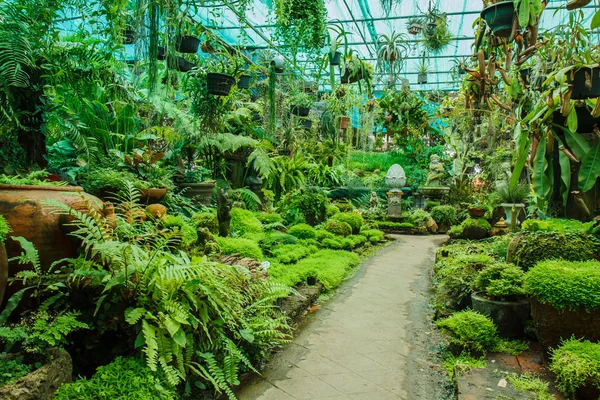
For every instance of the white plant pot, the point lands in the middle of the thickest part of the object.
(508, 210)
(278, 62)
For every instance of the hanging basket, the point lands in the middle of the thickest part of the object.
(415, 28)
(580, 89)
(299, 110)
(499, 17)
(187, 44)
(279, 63)
(219, 84)
(307, 123)
(422, 79)
(348, 78)
(335, 58)
(129, 36)
(161, 53)
(181, 64)
(244, 82)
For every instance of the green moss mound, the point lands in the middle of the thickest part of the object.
(245, 247)
(245, 224)
(558, 225)
(565, 284)
(469, 331)
(322, 234)
(124, 378)
(269, 218)
(189, 236)
(206, 220)
(501, 282)
(330, 267)
(292, 253)
(373, 235)
(303, 231)
(528, 249)
(355, 220)
(575, 364)
(338, 228)
(275, 238)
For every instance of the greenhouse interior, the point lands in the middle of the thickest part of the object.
(299, 199)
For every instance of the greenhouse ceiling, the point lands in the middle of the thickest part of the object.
(364, 21)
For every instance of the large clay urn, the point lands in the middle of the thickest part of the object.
(23, 209)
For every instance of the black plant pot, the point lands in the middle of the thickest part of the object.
(585, 120)
(219, 84)
(499, 17)
(527, 74)
(181, 64)
(256, 117)
(300, 111)
(422, 78)
(580, 90)
(335, 58)
(244, 82)
(161, 54)
(129, 36)
(307, 123)
(187, 44)
(508, 316)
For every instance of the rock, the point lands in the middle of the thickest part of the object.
(41, 383)
(255, 267)
(475, 233)
(156, 210)
(432, 226)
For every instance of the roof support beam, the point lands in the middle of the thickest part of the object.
(362, 35)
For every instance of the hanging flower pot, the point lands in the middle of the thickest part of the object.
(219, 84)
(207, 47)
(244, 82)
(307, 123)
(129, 36)
(499, 17)
(187, 44)
(344, 121)
(415, 28)
(181, 64)
(161, 53)
(335, 58)
(586, 83)
(422, 78)
(299, 110)
(349, 77)
(585, 120)
(279, 63)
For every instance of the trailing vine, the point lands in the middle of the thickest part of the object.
(301, 23)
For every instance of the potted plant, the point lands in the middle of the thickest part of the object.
(244, 81)
(356, 69)
(187, 44)
(222, 69)
(279, 63)
(512, 198)
(437, 35)
(196, 186)
(499, 16)
(301, 102)
(180, 64)
(145, 165)
(391, 54)
(129, 35)
(576, 365)
(499, 294)
(423, 70)
(414, 25)
(565, 300)
(335, 48)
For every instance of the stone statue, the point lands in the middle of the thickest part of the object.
(436, 171)
(504, 174)
(223, 213)
(374, 201)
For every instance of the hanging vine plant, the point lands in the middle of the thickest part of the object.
(436, 36)
(301, 23)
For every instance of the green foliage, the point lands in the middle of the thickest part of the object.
(276, 238)
(303, 231)
(124, 378)
(500, 282)
(245, 224)
(12, 370)
(245, 247)
(476, 223)
(333, 243)
(338, 227)
(301, 23)
(565, 284)
(292, 253)
(330, 267)
(394, 225)
(206, 220)
(355, 220)
(332, 210)
(530, 383)
(469, 331)
(558, 225)
(533, 247)
(373, 235)
(109, 181)
(460, 364)
(36, 178)
(513, 194)
(576, 363)
(444, 215)
(310, 203)
(512, 347)
(419, 217)
(4, 230)
(178, 224)
(322, 234)
(268, 218)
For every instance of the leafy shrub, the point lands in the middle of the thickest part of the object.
(469, 330)
(445, 215)
(454, 285)
(565, 284)
(101, 179)
(431, 205)
(332, 210)
(373, 235)
(4, 229)
(575, 364)
(559, 225)
(330, 267)
(275, 238)
(245, 224)
(394, 225)
(245, 247)
(334, 243)
(338, 228)
(303, 231)
(322, 234)
(207, 220)
(355, 220)
(12, 370)
(189, 236)
(529, 248)
(124, 378)
(268, 218)
(310, 203)
(344, 206)
(355, 240)
(291, 253)
(455, 232)
(500, 281)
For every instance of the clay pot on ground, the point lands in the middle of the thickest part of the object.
(508, 316)
(344, 121)
(553, 326)
(476, 212)
(152, 195)
(28, 216)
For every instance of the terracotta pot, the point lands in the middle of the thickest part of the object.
(152, 195)
(344, 121)
(3, 271)
(553, 326)
(388, 118)
(28, 216)
(476, 212)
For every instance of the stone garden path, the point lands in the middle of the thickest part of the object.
(361, 344)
